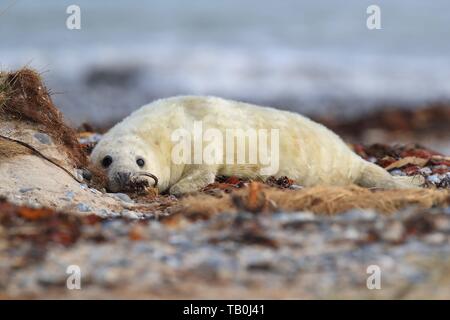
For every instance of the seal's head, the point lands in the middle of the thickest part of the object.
(128, 161)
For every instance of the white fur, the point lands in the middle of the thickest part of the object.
(309, 153)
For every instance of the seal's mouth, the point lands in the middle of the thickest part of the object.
(147, 174)
(134, 182)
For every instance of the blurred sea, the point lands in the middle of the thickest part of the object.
(311, 56)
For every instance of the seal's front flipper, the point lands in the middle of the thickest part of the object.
(195, 178)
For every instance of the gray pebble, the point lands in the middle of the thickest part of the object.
(435, 238)
(393, 232)
(434, 179)
(103, 213)
(69, 195)
(130, 214)
(426, 171)
(79, 175)
(23, 190)
(351, 234)
(94, 191)
(397, 172)
(122, 196)
(43, 138)
(83, 207)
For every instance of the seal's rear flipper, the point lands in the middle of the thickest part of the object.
(373, 176)
(410, 181)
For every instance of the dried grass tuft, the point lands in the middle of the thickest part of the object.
(319, 200)
(25, 98)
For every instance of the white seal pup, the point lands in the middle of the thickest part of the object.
(141, 147)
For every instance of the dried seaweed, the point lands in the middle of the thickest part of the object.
(431, 118)
(27, 99)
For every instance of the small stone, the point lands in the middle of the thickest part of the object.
(435, 238)
(69, 195)
(33, 204)
(434, 179)
(23, 190)
(103, 213)
(82, 207)
(122, 196)
(394, 232)
(130, 214)
(426, 171)
(84, 186)
(43, 138)
(397, 172)
(94, 191)
(351, 234)
(443, 223)
(79, 175)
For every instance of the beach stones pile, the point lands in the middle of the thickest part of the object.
(280, 255)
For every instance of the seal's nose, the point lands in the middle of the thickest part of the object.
(123, 177)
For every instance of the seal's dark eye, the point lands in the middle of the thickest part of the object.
(140, 162)
(106, 162)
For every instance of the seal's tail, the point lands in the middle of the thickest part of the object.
(373, 176)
